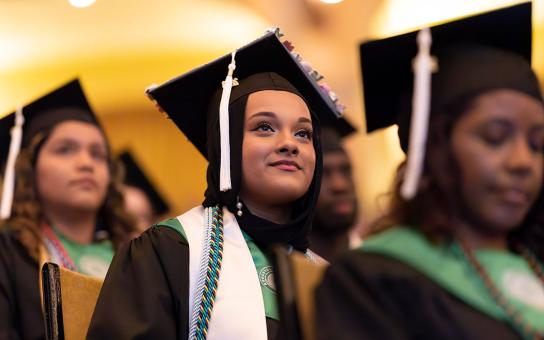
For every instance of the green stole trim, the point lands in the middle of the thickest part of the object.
(266, 278)
(173, 223)
(446, 266)
(262, 265)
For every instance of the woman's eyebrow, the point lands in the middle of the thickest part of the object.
(263, 114)
(304, 120)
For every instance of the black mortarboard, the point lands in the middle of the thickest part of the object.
(387, 63)
(17, 129)
(186, 98)
(136, 177)
(45, 112)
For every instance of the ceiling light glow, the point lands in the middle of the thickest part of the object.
(81, 3)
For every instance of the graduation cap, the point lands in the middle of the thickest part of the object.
(136, 177)
(17, 129)
(186, 98)
(465, 57)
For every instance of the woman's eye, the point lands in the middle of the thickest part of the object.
(64, 149)
(537, 144)
(99, 155)
(495, 136)
(264, 127)
(306, 134)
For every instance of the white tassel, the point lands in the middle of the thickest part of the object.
(224, 174)
(423, 68)
(9, 176)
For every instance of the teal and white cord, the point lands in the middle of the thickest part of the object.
(208, 279)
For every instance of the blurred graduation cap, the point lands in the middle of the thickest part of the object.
(186, 98)
(386, 64)
(68, 102)
(136, 177)
(474, 54)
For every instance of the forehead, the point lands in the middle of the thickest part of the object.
(77, 130)
(505, 104)
(280, 102)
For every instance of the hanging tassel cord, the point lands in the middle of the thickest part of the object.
(423, 68)
(224, 174)
(8, 186)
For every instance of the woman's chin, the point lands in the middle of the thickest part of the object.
(283, 194)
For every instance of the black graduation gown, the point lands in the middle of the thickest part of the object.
(371, 296)
(20, 311)
(146, 291)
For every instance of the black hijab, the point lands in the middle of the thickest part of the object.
(262, 231)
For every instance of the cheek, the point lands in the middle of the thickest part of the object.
(475, 163)
(540, 171)
(254, 153)
(103, 175)
(309, 158)
(49, 174)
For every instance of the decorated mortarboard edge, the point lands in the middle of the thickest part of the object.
(135, 176)
(67, 102)
(413, 63)
(186, 98)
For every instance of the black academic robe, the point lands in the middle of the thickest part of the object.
(146, 291)
(20, 311)
(371, 296)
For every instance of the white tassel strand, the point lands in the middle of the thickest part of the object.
(9, 176)
(423, 68)
(224, 174)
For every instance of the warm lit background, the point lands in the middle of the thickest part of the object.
(119, 47)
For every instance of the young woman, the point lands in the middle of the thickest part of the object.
(205, 274)
(463, 258)
(66, 207)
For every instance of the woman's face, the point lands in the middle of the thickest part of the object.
(72, 169)
(499, 146)
(278, 156)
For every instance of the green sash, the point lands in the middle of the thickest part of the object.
(446, 265)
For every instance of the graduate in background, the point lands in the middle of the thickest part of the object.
(205, 273)
(67, 207)
(336, 211)
(463, 257)
(141, 197)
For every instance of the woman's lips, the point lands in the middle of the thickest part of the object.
(86, 183)
(286, 165)
(514, 196)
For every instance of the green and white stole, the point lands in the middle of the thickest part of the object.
(447, 267)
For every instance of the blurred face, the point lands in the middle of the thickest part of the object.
(336, 206)
(278, 156)
(499, 146)
(72, 168)
(137, 203)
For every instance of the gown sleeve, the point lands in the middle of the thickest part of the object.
(370, 296)
(20, 306)
(7, 303)
(145, 293)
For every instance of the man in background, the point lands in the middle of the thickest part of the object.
(336, 211)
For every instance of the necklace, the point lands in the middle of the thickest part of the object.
(55, 248)
(517, 320)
